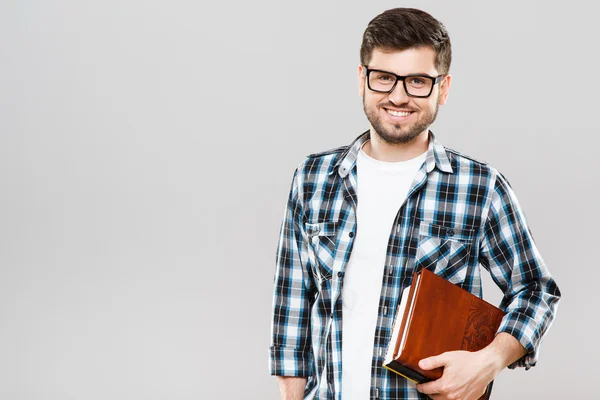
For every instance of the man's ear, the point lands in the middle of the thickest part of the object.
(445, 89)
(361, 80)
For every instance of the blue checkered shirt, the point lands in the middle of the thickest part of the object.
(459, 215)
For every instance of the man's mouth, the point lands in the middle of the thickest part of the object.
(398, 113)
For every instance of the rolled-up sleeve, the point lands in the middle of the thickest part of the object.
(509, 252)
(290, 350)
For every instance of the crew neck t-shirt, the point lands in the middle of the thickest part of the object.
(381, 189)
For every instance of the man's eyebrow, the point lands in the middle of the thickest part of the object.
(424, 73)
(413, 73)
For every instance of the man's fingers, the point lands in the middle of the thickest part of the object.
(434, 362)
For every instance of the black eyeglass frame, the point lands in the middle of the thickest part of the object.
(434, 80)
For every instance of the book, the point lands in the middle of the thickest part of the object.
(435, 316)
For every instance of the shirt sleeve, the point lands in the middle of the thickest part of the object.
(509, 252)
(290, 351)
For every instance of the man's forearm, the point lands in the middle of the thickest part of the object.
(291, 387)
(506, 349)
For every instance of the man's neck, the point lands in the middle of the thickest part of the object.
(380, 150)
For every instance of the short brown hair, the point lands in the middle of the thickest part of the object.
(403, 28)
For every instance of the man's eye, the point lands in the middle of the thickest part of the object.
(416, 81)
(385, 78)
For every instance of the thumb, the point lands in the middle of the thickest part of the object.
(434, 362)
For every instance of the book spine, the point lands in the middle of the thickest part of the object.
(407, 309)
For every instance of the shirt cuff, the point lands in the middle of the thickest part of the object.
(285, 361)
(521, 328)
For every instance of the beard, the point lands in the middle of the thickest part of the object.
(399, 133)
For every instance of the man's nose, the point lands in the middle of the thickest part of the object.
(398, 95)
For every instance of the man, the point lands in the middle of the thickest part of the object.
(360, 219)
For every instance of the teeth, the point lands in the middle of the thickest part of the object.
(398, 113)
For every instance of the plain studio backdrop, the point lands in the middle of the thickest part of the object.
(147, 150)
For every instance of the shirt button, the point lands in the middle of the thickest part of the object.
(331, 315)
(351, 234)
(340, 274)
(450, 232)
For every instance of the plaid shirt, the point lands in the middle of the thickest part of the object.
(459, 214)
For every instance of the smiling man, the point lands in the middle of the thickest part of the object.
(360, 219)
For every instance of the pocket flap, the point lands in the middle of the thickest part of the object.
(321, 228)
(457, 233)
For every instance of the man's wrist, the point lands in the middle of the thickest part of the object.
(291, 387)
(503, 351)
(494, 359)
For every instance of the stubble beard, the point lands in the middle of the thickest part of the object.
(399, 133)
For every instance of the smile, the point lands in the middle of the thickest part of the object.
(398, 115)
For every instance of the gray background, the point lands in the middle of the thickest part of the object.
(146, 152)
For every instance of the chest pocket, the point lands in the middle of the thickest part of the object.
(322, 237)
(444, 250)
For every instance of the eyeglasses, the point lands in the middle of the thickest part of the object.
(414, 85)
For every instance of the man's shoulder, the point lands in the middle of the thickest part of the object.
(323, 161)
(469, 164)
(320, 163)
(334, 154)
(466, 163)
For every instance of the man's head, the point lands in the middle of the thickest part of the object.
(404, 42)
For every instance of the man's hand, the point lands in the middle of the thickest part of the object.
(466, 375)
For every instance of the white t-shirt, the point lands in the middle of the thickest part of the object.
(381, 189)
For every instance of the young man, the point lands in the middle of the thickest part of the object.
(360, 219)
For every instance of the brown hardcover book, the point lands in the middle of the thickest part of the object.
(435, 316)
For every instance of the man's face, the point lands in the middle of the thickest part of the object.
(413, 115)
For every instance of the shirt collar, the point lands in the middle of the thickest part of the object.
(436, 155)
